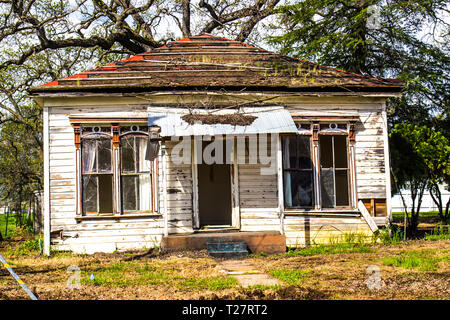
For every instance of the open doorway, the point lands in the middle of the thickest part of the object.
(214, 193)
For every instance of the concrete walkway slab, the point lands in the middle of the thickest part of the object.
(246, 274)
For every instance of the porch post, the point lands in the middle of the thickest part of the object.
(280, 183)
(46, 182)
(316, 162)
(164, 187)
(352, 157)
(116, 169)
(236, 217)
(78, 201)
(195, 210)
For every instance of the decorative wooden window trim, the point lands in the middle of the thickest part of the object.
(114, 125)
(328, 126)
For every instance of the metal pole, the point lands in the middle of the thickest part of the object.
(17, 278)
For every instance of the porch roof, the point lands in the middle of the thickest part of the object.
(268, 120)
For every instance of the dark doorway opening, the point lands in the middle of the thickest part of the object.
(214, 194)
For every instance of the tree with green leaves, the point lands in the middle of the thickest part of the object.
(435, 152)
(404, 39)
(420, 160)
(408, 170)
(43, 40)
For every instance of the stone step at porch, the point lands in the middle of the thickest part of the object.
(227, 249)
(270, 242)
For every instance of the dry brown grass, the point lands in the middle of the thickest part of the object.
(328, 276)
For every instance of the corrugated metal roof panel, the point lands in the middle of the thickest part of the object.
(268, 120)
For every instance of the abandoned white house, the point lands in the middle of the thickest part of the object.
(206, 135)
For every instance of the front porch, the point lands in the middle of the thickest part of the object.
(270, 242)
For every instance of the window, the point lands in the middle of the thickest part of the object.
(135, 174)
(297, 171)
(334, 171)
(114, 176)
(316, 170)
(97, 173)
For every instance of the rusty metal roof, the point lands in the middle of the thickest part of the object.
(211, 62)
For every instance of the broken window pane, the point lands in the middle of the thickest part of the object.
(104, 155)
(88, 158)
(327, 188)
(127, 160)
(89, 194)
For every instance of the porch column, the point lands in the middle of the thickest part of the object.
(352, 165)
(316, 163)
(116, 169)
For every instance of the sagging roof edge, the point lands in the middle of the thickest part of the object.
(350, 90)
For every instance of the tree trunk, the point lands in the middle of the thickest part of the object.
(436, 195)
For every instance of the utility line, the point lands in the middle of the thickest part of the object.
(17, 278)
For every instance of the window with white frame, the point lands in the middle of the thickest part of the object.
(97, 171)
(115, 178)
(317, 179)
(297, 171)
(135, 173)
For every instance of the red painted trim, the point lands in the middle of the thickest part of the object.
(49, 84)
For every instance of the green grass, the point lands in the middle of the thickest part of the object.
(210, 283)
(399, 216)
(13, 229)
(292, 277)
(264, 287)
(424, 260)
(427, 214)
(27, 247)
(331, 249)
(389, 237)
(125, 274)
(439, 233)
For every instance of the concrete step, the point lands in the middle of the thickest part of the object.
(269, 242)
(227, 249)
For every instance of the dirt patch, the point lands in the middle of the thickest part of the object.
(177, 275)
(234, 119)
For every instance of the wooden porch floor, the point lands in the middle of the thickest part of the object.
(269, 242)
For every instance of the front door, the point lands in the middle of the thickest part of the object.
(214, 194)
(214, 191)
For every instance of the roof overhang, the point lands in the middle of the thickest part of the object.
(274, 119)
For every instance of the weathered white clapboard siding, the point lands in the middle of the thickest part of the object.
(88, 236)
(179, 193)
(258, 199)
(258, 195)
(302, 230)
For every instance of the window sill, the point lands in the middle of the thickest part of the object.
(323, 212)
(120, 216)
